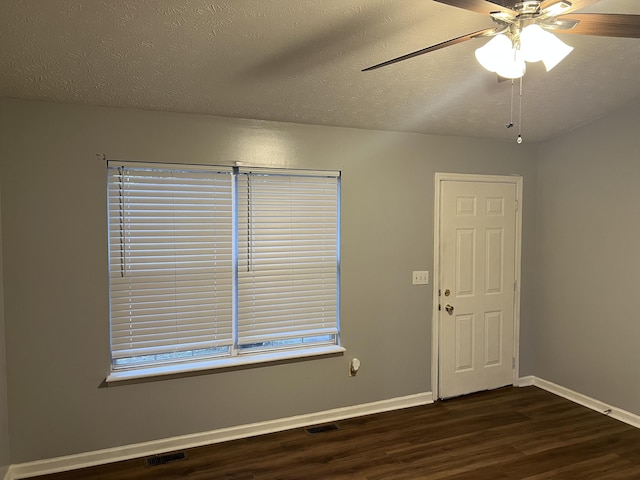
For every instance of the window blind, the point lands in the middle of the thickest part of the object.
(171, 262)
(287, 259)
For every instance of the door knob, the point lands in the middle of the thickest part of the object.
(449, 309)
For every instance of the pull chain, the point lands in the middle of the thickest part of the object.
(510, 124)
(519, 139)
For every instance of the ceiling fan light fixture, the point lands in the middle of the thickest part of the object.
(555, 51)
(507, 57)
(498, 55)
(536, 44)
(516, 16)
(533, 41)
(490, 55)
(512, 66)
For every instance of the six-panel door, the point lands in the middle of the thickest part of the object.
(477, 258)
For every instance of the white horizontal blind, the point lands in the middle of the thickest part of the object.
(171, 263)
(287, 259)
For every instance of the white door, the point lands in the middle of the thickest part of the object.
(477, 285)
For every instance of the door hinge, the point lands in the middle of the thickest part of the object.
(439, 307)
(513, 363)
(516, 205)
(439, 292)
(515, 285)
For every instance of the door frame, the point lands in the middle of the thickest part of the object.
(437, 274)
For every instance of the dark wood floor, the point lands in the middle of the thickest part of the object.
(506, 434)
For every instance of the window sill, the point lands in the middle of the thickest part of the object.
(214, 364)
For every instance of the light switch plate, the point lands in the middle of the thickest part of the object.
(420, 277)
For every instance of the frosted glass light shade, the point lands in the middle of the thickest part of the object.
(491, 54)
(498, 55)
(512, 65)
(555, 51)
(537, 45)
(533, 43)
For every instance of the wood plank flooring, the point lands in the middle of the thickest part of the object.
(506, 434)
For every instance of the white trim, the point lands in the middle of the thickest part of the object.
(100, 457)
(181, 167)
(518, 278)
(238, 361)
(435, 316)
(116, 454)
(526, 381)
(287, 171)
(435, 327)
(586, 401)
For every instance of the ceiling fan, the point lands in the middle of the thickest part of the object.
(523, 32)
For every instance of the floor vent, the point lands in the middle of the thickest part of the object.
(162, 459)
(321, 429)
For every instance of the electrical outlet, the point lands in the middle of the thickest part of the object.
(420, 277)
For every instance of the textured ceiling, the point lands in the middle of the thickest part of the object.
(300, 61)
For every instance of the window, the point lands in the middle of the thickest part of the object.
(220, 266)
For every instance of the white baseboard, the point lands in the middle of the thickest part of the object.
(127, 452)
(584, 400)
(100, 457)
(525, 381)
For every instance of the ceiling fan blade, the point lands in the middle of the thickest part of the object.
(432, 48)
(479, 6)
(508, 4)
(575, 4)
(604, 24)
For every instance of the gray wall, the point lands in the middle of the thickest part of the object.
(588, 269)
(55, 264)
(4, 408)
